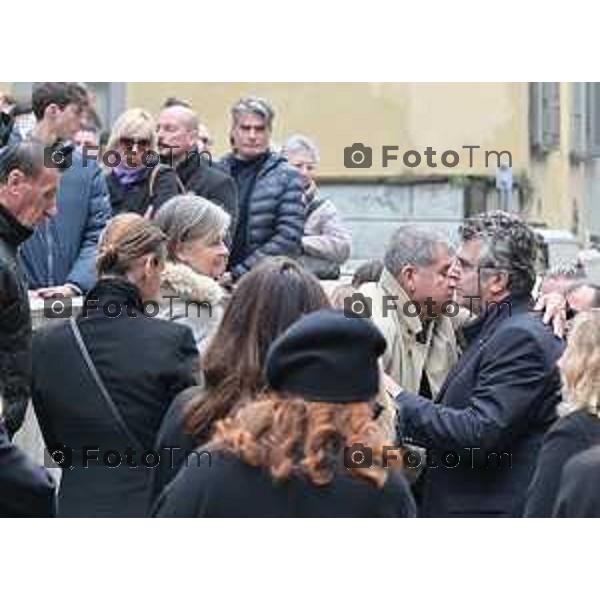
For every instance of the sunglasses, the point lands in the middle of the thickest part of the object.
(130, 142)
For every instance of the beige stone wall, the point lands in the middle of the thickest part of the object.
(445, 116)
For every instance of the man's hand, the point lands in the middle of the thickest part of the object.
(67, 291)
(554, 306)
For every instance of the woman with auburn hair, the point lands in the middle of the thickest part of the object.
(104, 380)
(265, 303)
(311, 445)
(579, 427)
(139, 183)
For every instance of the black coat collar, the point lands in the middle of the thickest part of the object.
(12, 231)
(494, 314)
(116, 290)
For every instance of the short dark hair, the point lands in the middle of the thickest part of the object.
(27, 157)
(60, 93)
(509, 245)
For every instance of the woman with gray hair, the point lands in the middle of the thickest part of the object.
(326, 241)
(197, 255)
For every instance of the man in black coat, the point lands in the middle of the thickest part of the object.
(27, 197)
(484, 432)
(272, 211)
(181, 148)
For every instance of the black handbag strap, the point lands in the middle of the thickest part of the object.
(101, 387)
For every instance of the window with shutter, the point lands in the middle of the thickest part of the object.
(544, 116)
(593, 98)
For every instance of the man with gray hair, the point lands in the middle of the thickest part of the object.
(484, 431)
(271, 211)
(406, 304)
(27, 198)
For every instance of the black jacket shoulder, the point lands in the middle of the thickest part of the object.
(579, 492)
(213, 489)
(570, 435)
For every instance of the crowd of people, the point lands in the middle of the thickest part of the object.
(210, 374)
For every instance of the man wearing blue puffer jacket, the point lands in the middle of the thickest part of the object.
(60, 257)
(271, 210)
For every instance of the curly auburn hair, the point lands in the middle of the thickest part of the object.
(291, 436)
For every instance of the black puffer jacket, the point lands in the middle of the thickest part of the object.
(276, 212)
(15, 323)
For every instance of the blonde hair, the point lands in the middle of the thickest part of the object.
(126, 238)
(135, 123)
(580, 365)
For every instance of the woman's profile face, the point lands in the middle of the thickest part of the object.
(207, 259)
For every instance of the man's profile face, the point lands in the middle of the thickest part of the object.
(69, 120)
(33, 198)
(466, 271)
(251, 136)
(434, 281)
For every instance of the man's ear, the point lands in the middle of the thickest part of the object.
(499, 283)
(15, 178)
(51, 111)
(407, 278)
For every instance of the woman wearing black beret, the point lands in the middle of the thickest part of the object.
(310, 446)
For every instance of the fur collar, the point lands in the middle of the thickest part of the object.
(182, 280)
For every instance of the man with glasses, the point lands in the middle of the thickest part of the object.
(486, 427)
(59, 258)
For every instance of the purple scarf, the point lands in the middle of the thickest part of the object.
(127, 176)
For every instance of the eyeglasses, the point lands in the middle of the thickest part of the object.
(130, 142)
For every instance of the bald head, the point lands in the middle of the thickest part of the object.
(177, 131)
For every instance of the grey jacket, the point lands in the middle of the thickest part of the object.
(325, 235)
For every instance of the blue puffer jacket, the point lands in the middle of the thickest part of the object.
(276, 212)
(63, 249)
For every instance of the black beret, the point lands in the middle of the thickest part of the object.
(327, 357)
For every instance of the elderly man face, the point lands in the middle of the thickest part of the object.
(177, 131)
